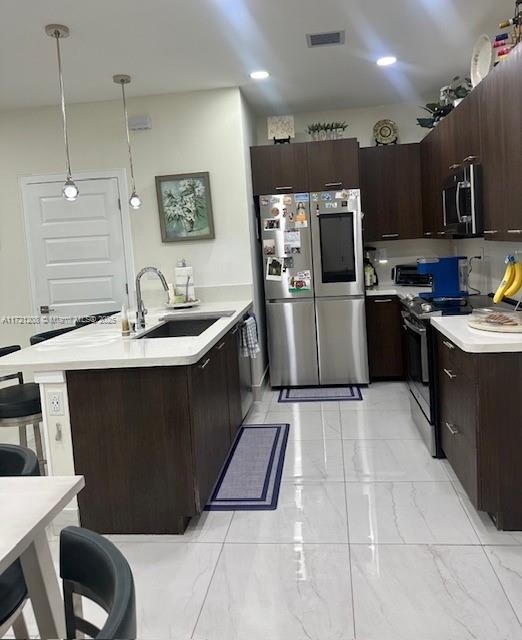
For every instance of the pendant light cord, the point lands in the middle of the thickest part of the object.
(64, 112)
(125, 115)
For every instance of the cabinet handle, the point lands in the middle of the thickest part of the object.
(470, 159)
(490, 231)
(202, 366)
(283, 188)
(221, 346)
(454, 166)
(514, 230)
(454, 432)
(384, 300)
(390, 235)
(333, 184)
(450, 374)
(448, 344)
(428, 233)
(235, 330)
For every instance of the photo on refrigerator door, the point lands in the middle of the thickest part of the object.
(300, 282)
(269, 247)
(292, 242)
(272, 224)
(274, 269)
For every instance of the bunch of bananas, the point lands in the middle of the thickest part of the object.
(512, 280)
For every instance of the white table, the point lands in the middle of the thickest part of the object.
(27, 507)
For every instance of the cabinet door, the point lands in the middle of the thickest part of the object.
(461, 134)
(334, 164)
(281, 168)
(432, 178)
(385, 337)
(210, 419)
(501, 127)
(132, 442)
(391, 192)
(233, 382)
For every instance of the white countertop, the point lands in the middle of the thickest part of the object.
(471, 340)
(29, 505)
(101, 345)
(392, 289)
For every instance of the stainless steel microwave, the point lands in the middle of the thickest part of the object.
(462, 202)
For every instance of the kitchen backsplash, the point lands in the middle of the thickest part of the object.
(486, 273)
(390, 254)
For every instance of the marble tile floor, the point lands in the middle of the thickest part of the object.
(372, 539)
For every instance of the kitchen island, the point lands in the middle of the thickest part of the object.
(479, 375)
(147, 420)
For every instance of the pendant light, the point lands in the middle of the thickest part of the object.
(122, 79)
(70, 190)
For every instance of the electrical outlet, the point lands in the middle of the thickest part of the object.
(55, 403)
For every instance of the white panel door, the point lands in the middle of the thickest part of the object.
(77, 252)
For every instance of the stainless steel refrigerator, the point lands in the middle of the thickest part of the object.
(314, 288)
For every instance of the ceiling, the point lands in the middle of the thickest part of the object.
(183, 45)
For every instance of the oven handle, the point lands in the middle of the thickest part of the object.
(417, 330)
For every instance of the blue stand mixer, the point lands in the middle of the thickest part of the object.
(449, 277)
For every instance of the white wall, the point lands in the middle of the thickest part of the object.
(260, 364)
(199, 131)
(391, 253)
(487, 272)
(360, 123)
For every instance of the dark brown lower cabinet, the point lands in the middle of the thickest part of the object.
(385, 337)
(480, 418)
(151, 441)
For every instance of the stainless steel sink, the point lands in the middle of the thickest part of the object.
(179, 328)
(197, 315)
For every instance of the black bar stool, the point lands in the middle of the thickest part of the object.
(91, 566)
(20, 406)
(47, 335)
(14, 461)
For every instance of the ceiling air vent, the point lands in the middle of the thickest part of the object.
(324, 39)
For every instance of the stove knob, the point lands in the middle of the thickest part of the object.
(426, 307)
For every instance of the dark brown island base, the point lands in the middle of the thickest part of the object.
(151, 441)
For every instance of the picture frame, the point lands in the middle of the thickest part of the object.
(185, 207)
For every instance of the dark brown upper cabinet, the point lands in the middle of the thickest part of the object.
(432, 179)
(501, 135)
(333, 164)
(280, 168)
(391, 192)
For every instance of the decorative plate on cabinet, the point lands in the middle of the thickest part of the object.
(386, 132)
(481, 59)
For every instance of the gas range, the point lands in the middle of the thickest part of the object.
(421, 356)
(424, 308)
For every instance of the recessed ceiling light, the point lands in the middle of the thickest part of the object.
(259, 75)
(386, 61)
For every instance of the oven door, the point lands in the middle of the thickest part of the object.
(418, 368)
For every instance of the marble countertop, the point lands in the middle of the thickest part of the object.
(471, 340)
(101, 345)
(392, 289)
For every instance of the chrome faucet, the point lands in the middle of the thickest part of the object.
(141, 312)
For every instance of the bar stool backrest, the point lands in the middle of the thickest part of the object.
(91, 566)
